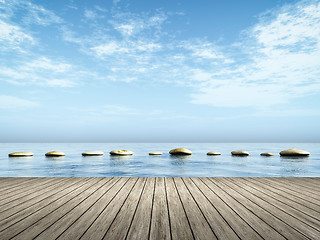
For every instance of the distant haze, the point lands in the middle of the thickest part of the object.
(159, 71)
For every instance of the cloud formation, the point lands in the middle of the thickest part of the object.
(12, 37)
(42, 72)
(283, 62)
(273, 62)
(14, 103)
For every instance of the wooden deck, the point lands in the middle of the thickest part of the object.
(159, 208)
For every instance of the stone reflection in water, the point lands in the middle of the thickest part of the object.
(293, 165)
(240, 156)
(55, 158)
(120, 160)
(294, 158)
(179, 159)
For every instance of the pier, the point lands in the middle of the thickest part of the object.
(159, 208)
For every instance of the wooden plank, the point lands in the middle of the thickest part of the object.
(291, 201)
(286, 207)
(11, 183)
(23, 184)
(10, 218)
(14, 180)
(59, 225)
(34, 203)
(160, 225)
(238, 224)
(26, 195)
(217, 223)
(159, 208)
(199, 224)
(102, 223)
(23, 224)
(121, 224)
(278, 224)
(140, 225)
(301, 186)
(78, 228)
(35, 229)
(274, 210)
(256, 223)
(21, 188)
(179, 225)
(308, 182)
(296, 187)
(291, 191)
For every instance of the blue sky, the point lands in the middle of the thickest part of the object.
(159, 71)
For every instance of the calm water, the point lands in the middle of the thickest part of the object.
(143, 165)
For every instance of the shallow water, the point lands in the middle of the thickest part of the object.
(143, 165)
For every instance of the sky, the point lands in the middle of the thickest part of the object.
(159, 71)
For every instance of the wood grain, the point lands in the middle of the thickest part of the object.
(159, 208)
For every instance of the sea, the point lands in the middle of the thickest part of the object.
(140, 164)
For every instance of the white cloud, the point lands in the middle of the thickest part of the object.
(291, 27)
(283, 62)
(125, 29)
(115, 2)
(95, 13)
(70, 36)
(122, 79)
(109, 49)
(13, 37)
(43, 72)
(29, 12)
(45, 63)
(202, 49)
(13, 103)
(90, 14)
(36, 14)
(17, 18)
(128, 24)
(200, 75)
(274, 62)
(124, 47)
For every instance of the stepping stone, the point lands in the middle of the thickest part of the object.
(240, 153)
(294, 152)
(21, 154)
(121, 152)
(55, 154)
(155, 153)
(267, 154)
(93, 153)
(180, 151)
(213, 153)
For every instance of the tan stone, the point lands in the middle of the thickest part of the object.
(213, 153)
(121, 152)
(294, 152)
(180, 151)
(155, 153)
(267, 154)
(21, 154)
(55, 154)
(93, 153)
(240, 153)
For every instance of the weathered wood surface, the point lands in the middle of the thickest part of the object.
(159, 208)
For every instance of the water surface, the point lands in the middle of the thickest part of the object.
(143, 165)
